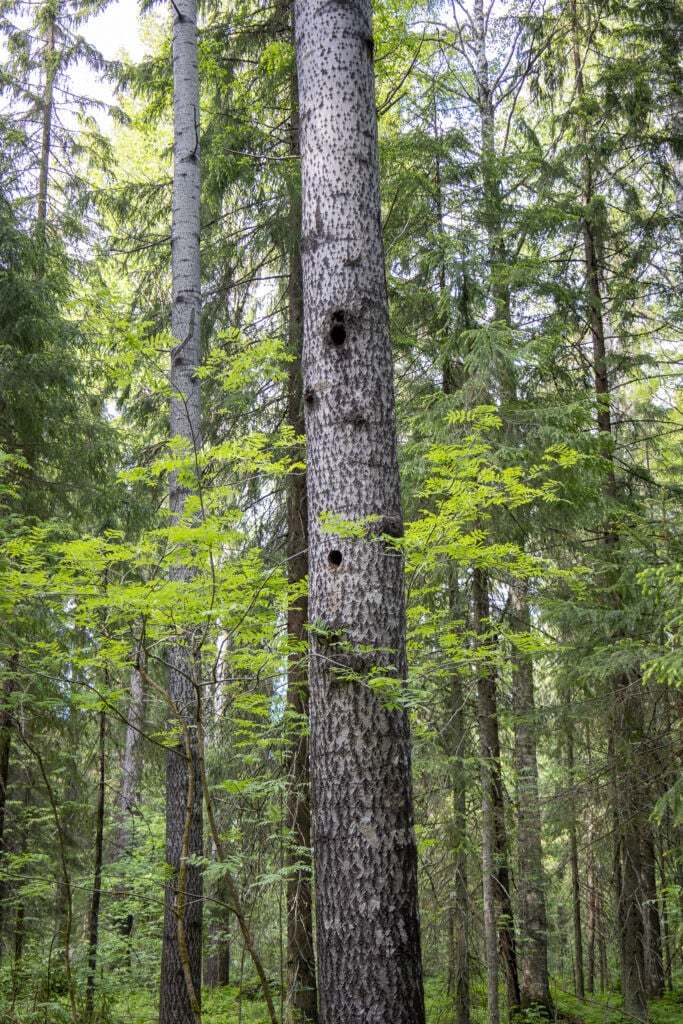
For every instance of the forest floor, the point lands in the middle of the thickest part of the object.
(224, 1006)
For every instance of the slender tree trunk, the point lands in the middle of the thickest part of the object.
(217, 960)
(131, 780)
(654, 961)
(534, 983)
(365, 853)
(302, 997)
(579, 984)
(94, 922)
(131, 773)
(626, 724)
(459, 911)
(488, 830)
(6, 726)
(492, 781)
(182, 940)
(459, 915)
(456, 734)
(46, 126)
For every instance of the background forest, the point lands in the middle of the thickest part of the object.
(532, 187)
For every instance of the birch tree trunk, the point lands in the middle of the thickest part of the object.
(369, 965)
(182, 940)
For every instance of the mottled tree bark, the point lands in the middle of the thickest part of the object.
(131, 768)
(365, 854)
(182, 939)
(131, 777)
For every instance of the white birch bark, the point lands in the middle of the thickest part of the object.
(182, 940)
(369, 969)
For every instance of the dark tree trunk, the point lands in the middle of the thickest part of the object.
(459, 912)
(493, 805)
(627, 723)
(6, 726)
(365, 853)
(654, 961)
(94, 922)
(534, 984)
(302, 996)
(579, 983)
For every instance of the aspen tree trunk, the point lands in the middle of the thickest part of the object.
(627, 721)
(533, 946)
(368, 930)
(131, 769)
(302, 996)
(182, 941)
(131, 776)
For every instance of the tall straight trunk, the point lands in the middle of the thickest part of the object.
(488, 831)
(533, 948)
(6, 726)
(677, 166)
(579, 982)
(182, 939)
(302, 997)
(654, 960)
(459, 911)
(530, 986)
(94, 922)
(493, 796)
(368, 929)
(627, 720)
(46, 122)
(455, 735)
(131, 769)
(131, 777)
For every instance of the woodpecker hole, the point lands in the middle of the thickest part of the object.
(309, 396)
(337, 327)
(335, 559)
